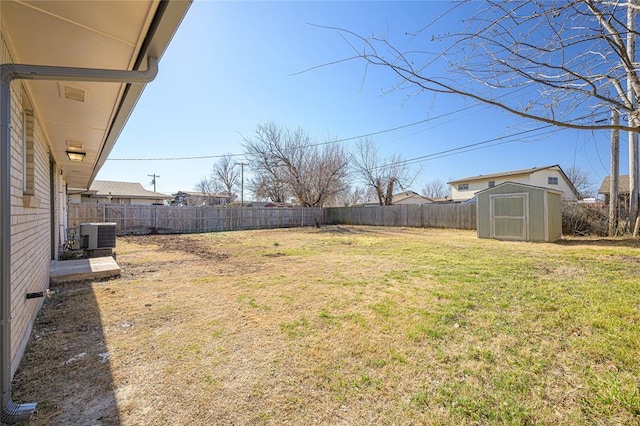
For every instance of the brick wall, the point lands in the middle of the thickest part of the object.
(30, 215)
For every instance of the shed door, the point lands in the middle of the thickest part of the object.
(509, 216)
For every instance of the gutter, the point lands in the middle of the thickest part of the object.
(11, 412)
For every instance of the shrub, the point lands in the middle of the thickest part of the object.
(585, 219)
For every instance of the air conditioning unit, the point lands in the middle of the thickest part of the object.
(98, 235)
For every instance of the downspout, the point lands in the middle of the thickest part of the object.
(11, 412)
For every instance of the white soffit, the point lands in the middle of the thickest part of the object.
(88, 34)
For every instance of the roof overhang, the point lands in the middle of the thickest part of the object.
(86, 117)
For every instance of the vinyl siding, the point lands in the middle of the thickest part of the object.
(541, 177)
(479, 185)
(536, 178)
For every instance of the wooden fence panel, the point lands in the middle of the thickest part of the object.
(143, 219)
(456, 216)
(132, 219)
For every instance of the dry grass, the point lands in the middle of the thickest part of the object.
(344, 326)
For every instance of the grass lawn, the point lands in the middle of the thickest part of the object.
(344, 325)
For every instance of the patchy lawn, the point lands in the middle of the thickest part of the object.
(344, 325)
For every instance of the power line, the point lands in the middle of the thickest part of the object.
(479, 145)
(404, 126)
(453, 150)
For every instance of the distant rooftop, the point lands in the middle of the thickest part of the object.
(104, 188)
(623, 185)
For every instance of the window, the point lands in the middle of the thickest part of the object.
(552, 180)
(28, 169)
(463, 186)
(492, 183)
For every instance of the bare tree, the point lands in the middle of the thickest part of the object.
(581, 181)
(354, 196)
(385, 175)
(566, 63)
(226, 174)
(208, 187)
(313, 173)
(266, 187)
(435, 189)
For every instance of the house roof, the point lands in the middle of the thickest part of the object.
(408, 194)
(105, 35)
(505, 174)
(623, 185)
(104, 188)
(201, 194)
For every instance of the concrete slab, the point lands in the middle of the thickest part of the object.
(83, 269)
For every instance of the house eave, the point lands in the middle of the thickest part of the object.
(166, 21)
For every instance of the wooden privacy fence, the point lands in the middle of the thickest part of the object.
(141, 219)
(457, 216)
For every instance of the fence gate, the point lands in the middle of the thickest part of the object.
(509, 216)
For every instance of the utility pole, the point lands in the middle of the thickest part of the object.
(153, 180)
(242, 182)
(633, 119)
(614, 175)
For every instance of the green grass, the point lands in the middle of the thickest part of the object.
(504, 333)
(370, 325)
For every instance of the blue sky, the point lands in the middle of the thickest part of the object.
(234, 65)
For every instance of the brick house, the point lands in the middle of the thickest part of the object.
(60, 121)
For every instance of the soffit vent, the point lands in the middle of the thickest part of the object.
(72, 93)
(73, 145)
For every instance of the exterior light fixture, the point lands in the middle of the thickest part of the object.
(76, 156)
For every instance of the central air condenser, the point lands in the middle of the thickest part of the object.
(98, 235)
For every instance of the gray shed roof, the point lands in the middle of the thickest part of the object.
(542, 188)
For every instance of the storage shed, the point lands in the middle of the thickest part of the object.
(515, 211)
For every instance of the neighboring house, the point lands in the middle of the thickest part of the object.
(410, 197)
(551, 177)
(59, 124)
(188, 198)
(110, 192)
(407, 197)
(445, 199)
(623, 190)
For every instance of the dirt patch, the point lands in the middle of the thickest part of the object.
(182, 243)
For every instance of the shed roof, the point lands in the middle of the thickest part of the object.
(623, 185)
(542, 188)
